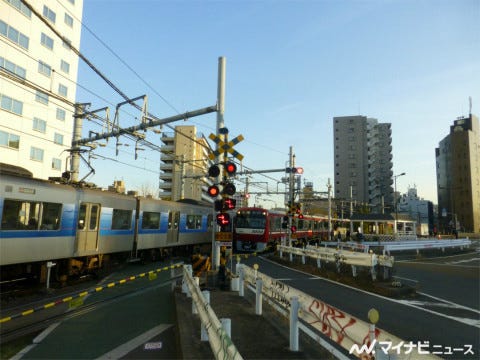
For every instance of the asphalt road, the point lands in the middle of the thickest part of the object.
(448, 320)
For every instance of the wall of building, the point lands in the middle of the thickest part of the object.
(36, 122)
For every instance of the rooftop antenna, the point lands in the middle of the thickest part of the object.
(470, 105)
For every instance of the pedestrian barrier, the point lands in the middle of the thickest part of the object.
(211, 327)
(402, 245)
(339, 257)
(315, 317)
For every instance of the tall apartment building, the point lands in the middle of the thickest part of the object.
(363, 161)
(38, 74)
(184, 165)
(458, 176)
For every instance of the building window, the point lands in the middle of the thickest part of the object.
(62, 90)
(39, 125)
(12, 105)
(44, 68)
(9, 140)
(61, 114)
(58, 139)
(56, 164)
(20, 7)
(68, 20)
(13, 34)
(65, 66)
(41, 97)
(46, 41)
(36, 154)
(71, 2)
(49, 14)
(13, 68)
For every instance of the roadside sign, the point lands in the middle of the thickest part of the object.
(223, 236)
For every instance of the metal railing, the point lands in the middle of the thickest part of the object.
(315, 317)
(211, 329)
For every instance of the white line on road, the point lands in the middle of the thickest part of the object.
(124, 349)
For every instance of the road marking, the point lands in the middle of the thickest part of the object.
(449, 302)
(462, 261)
(124, 349)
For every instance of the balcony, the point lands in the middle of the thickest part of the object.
(167, 167)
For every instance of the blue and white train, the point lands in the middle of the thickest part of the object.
(80, 229)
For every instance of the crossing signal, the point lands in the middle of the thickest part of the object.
(213, 191)
(229, 204)
(218, 205)
(223, 219)
(300, 216)
(214, 171)
(285, 222)
(229, 189)
(230, 168)
(293, 229)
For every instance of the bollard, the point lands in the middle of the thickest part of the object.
(258, 297)
(203, 329)
(237, 265)
(227, 326)
(319, 264)
(354, 271)
(303, 259)
(50, 264)
(240, 283)
(291, 257)
(294, 306)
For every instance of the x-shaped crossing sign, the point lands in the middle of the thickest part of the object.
(225, 147)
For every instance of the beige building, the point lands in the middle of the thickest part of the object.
(363, 161)
(184, 165)
(458, 176)
(38, 75)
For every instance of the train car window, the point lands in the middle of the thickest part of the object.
(121, 219)
(20, 215)
(82, 214)
(94, 211)
(194, 221)
(151, 220)
(51, 213)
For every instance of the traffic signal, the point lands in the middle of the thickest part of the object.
(285, 222)
(294, 170)
(300, 216)
(223, 219)
(229, 204)
(213, 191)
(229, 189)
(293, 229)
(230, 168)
(214, 171)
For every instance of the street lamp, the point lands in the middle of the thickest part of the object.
(395, 198)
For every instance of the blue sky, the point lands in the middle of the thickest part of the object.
(291, 66)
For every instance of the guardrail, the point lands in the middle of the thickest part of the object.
(339, 257)
(211, 328)
(402, 245)
(360, 338)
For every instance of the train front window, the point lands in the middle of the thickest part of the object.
(251, 219)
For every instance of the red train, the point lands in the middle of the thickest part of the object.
(257, 228)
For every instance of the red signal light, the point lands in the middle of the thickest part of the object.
(213, 190)
(214, 171)
(223, 219)
(230, 204)
(230, 168)
(293, 229)
(300, 216)
(229, 189)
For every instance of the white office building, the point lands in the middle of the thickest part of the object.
(38, 75)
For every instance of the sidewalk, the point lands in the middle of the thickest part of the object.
(255, 336)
